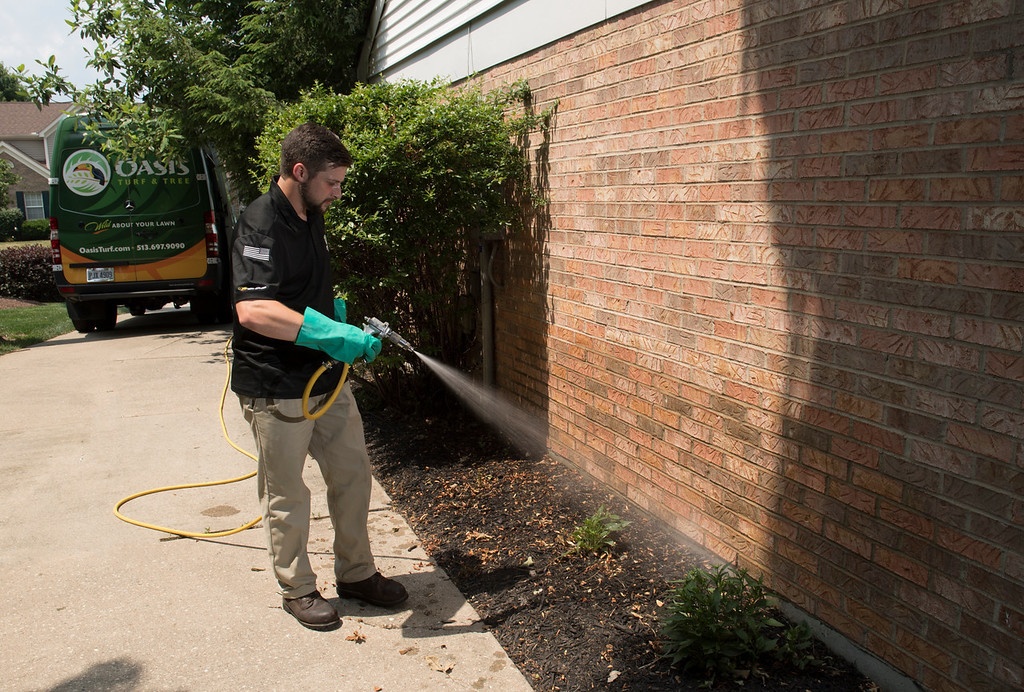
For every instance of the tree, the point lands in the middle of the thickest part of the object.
(7, 178)
(181, 72)
(11, 88)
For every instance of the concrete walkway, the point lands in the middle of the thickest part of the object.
(94, 603)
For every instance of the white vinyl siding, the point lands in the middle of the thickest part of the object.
(424, 39)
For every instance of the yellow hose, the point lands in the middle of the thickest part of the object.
(224, 429)
(309, 387)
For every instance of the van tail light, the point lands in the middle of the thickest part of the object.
(212, 244)
(58, 266)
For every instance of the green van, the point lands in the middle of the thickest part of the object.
(137, 233)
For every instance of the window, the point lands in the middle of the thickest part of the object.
(34, 206)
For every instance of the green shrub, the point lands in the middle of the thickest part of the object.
(35, 229)
(433, 168)
(722, 623)
(11, 219)
(27, 272)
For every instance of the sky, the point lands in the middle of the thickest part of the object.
(35, 30)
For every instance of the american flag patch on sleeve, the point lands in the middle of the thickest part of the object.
(256, 253)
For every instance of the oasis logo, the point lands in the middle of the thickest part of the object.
(128, 169)
(86, 172)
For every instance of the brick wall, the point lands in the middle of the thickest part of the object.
(30, 181)
(777, 300)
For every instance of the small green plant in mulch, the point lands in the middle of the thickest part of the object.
(594, 535)
(722, 624)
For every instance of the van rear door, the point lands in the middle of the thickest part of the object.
(128, 221)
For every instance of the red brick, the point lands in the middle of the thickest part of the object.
(897, 563)
(914, 522)
(1014, 127)
(845, 141)
(1001, 278)
(929, 162)
(961, 189)
(970, 548)
(940, 218)
(939, 104)
(922, 322)
(948, 353)
(902, 137)
(819, 166)
(986, 443)
(876, 217)
(850, 89)
(849, 539)
(922, 649)
(877, 437)
(886, 341)
(874, 113)
(1012, 189)
(996, 158)
(908, 189)
(1008, 337)
(904, 81)
(1008, 672)
(930, 270)
(852, 496)
(1001, 219)
(824, 118)
(1001, 97)
(839, 191)
(967, 130)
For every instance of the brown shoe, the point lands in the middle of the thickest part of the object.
(313, 611)
(378, 590)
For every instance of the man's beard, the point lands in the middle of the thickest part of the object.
(312, 206)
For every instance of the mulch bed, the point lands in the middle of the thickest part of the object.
(498, 523)
(8, 302)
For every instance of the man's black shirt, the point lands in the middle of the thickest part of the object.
(278, 256)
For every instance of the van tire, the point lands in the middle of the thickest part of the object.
(108, 320)
(88, 317)
(205, 308)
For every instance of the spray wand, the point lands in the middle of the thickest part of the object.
(374, 326)
(382, 330)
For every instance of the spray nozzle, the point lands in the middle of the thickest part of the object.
(382, 330)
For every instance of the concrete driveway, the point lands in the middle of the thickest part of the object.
(98, 604)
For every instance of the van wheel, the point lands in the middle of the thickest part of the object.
(93, 316)
(204, 307)
(225, 308)
(108, 318)
(84, 326)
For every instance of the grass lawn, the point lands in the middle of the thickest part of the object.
(21, 327)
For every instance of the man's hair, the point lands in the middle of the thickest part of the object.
(314, 146)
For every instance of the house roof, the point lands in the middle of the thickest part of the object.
(25, 119)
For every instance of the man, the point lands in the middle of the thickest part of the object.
(283, 299)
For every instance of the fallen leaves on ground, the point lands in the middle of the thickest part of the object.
(499, 524)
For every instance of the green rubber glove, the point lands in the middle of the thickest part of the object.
(340, 341)
(340, 310)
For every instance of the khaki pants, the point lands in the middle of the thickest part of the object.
(283, 439)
